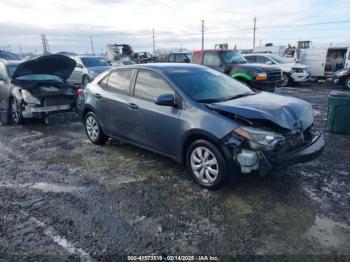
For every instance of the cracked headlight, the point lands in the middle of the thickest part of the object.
(29, 98)
(259, 138)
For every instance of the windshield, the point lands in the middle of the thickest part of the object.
(207, 85)
(40, 77)
(278, 59)
(11, 69)
(231, 57)
(94, 61)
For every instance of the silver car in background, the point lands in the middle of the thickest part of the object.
(87, 68)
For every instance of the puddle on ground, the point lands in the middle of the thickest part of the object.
(45, 187)
(328, 233)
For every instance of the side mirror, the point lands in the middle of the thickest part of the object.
(79, 66)
(2, 78)
(268, 63)
(165, 100)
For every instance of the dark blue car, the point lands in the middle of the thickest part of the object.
(214, 124)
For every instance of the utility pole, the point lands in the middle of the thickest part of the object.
(20, 50)
(254, 32)
(202, 34)
(92, 45)
(154, 43)
(45, 44)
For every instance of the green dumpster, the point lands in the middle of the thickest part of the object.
(339, 112)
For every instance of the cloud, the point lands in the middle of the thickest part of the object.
(69, 24)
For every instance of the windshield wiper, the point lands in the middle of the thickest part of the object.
(237, 96)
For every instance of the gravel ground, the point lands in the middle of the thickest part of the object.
(63, 198)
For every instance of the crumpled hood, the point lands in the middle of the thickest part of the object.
(99, 69)
(58, 65)
(287, 112)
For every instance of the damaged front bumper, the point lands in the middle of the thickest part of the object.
(251, 160)
(301, 155)
(31, 111)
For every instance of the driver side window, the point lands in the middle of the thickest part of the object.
(262, 60)
(211, 59)
(149, 85)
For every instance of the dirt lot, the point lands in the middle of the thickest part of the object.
(64, 197)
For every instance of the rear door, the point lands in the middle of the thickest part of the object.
(113, 106)
(211, 59)
(153, 126)
(77, 75)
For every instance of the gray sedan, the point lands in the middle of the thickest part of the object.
(214, 124)
(87, 68)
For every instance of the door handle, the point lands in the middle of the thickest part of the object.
(133, 106)
(98, 96)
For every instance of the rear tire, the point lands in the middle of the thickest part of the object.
(93, 129)
(15, 112)
(207, 165)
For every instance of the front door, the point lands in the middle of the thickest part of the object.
(153, 126)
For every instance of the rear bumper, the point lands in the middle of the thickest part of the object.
(266, 85)
(303, 154)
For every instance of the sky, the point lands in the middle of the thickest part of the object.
(68, 24)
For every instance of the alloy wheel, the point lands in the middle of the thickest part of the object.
(204, 165)
(285, 80)
(92, 128)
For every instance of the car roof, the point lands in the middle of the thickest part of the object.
(164, 67)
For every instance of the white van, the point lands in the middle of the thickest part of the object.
(323, 62)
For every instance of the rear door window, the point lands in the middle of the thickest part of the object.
(211, 59)
(172, 58)
(119, 81)
(251, 59)
(149, 85)
(262, 59)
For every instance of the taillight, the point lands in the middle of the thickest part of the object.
(79, 91)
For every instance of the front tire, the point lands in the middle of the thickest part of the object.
(207, 165)
(93, 129)
(347, 83)
(15, 112)
(285, 80)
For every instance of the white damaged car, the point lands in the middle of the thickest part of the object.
(292, 72)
